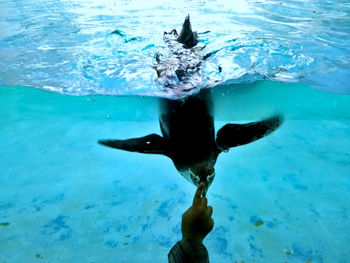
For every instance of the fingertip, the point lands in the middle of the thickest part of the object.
(197, 195)
(199, 189)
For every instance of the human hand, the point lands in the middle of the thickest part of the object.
(197, 221)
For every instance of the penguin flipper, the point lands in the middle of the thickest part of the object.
(152, 143)
(232, 135)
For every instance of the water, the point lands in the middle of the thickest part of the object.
(64, 198)
(67, 46)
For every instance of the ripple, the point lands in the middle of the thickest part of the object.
(108, 47)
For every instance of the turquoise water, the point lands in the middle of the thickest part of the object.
(64, 198)
(67, 199)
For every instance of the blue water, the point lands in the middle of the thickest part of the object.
(67, 46)
(64, 198)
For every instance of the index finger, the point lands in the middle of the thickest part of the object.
(197, 195)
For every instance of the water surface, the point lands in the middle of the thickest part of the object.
(67, 46)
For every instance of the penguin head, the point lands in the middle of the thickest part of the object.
(203, 172)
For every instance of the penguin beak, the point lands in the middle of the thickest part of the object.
(206, 181)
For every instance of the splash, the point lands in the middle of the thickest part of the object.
(109, 47)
